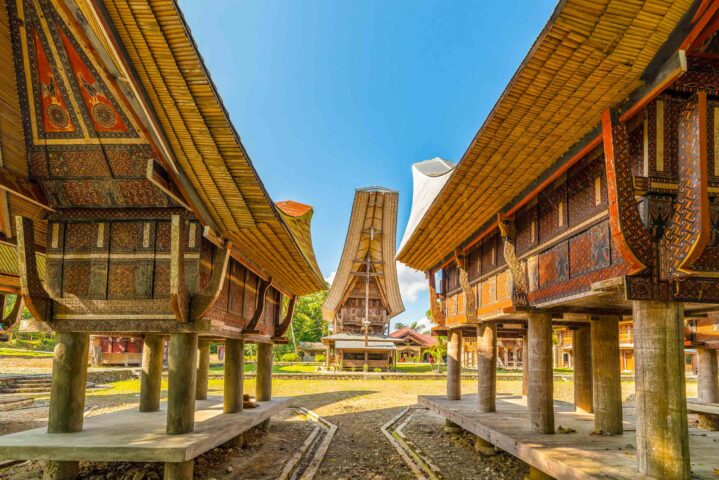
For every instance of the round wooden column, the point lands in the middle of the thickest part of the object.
(454, 364)
(662, 431)
(263, 391)
(151, 376)
(606, 372)
(203, 368)
(182, 360)
(487, 367)
(582, 350)
(541, 375)
(234, 375)
(707, 385)
(67, 396)
(525, 364)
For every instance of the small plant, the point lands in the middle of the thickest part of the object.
(353, 369)
(365, 368)
(320, 358)
(377, 370)
(290, 357)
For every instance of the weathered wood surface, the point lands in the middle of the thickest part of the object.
(579, 455)
(107, 438)
(606, 375)
(541, 374)
(454, 364)
(582, 345)
(151, 375)
(487, 366)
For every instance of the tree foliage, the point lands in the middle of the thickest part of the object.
(416, 326)
(307, 323)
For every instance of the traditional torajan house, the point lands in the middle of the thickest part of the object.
(364, 295)
(111, 350)
(128, 206)
(590, 193)
(564, 352)
(413, 345)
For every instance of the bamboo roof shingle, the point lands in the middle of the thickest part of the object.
(371, 235)
(160, 49)
(590, 56)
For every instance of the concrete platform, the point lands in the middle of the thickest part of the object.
(579, 455)
(693, 405)
(129, 435)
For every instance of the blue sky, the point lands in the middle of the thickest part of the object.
(332, 95)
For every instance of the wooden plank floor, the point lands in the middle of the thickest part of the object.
(579, 455)
(129, 435)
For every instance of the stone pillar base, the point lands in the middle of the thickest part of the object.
(61, 470)
(536, 474)
(483, 447)
(452, 428)
(179, 471)
(264, 426)
(709, 422)
(237, 442)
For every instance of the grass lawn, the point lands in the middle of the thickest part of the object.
(16, 352)
(415, 368)
(252, 368)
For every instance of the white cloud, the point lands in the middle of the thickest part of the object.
(331, 277)
(411, 283)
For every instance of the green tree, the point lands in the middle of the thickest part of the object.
(438, 351)
(416, 326)
(307, 323)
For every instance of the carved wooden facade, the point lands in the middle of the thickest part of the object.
(122, 221)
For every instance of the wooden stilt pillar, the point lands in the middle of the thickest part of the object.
(182, 359)
(582, 350)
(541, 376)
(203, 368)
(454, 365)
(487, 367)
(67, 396)
(264, 372)
(234, 375)
(606, 374)
(234, 383)
(707, 385)
(151, 376)
(525, 364)
(662, 430)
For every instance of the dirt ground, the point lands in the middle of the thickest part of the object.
(359, 450)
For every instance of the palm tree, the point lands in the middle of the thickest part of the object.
(438, 351)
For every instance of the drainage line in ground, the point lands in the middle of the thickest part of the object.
(418, 463)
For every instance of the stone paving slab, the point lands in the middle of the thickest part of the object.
(132, 436)
(578, 455)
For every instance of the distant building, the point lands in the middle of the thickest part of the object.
(311, 349)
(413, 345)
(564, 357)
(364, 295)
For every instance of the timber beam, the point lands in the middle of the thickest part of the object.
(281, 329)
(203, 301)
(33, 292)
(261, 301)
(179, 296)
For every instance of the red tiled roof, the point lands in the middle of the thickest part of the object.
(426, 340)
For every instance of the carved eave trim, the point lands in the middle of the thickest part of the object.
(261, 301)
(33, 292)
(520, 281)
(434, 306)
(691, 225)
(206, 298)
(14, 316)
(282, 327)
(179, 296)
(470, 304)
(628, 232)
